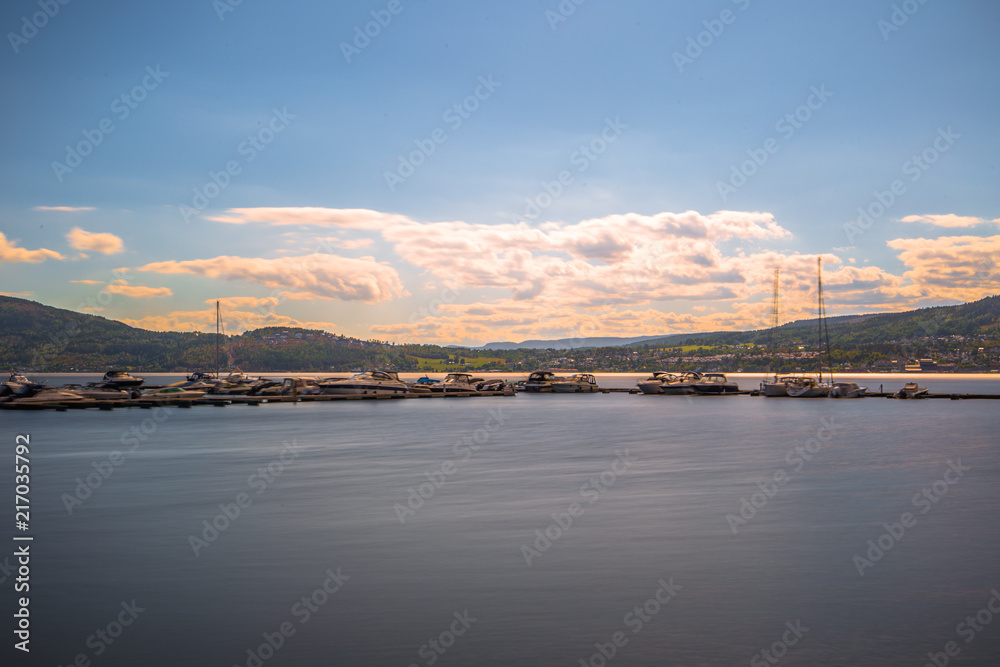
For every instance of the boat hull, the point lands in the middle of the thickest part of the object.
(354, 390)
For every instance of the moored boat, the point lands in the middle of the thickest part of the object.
(715, 384)
(540, 382)
(808, 387)
(848, 390)
(171, 393)
(372, 382)
(577, 384)
(50, 395)
(911, 390)
(122, 379)
(654, 383)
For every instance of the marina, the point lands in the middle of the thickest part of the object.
(304, 389)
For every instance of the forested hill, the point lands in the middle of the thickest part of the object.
(35, 337)
(977, 319)
(42, 338)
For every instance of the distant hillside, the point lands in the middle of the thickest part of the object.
(40, 338)
(566, 343)
(35, 337)
(980, 318)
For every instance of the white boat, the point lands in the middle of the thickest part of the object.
(540, 382)
(779, 385)
(577, 384)
(808, 387)
(122, 379)
(454, 382)
(848, 390)
(911, 390)
(372, 382)
(671, 384)
(18, 385)
(172, 392)
(50, 396)
(654, 383)
(101, 391)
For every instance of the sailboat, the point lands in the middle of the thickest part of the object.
(801, 386)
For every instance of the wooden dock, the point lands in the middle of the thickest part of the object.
(222, 400)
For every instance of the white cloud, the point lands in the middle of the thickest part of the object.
(10, 252)
(108, 244)
(323, 275)
(946, 220)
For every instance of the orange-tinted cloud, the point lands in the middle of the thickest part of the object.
(138, 291)
(108, 244)
(320, 274)
(10, 252)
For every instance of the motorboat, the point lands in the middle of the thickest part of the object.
(808, 387)
(101, 391)
(495, 384)
(848, 390)
(540, 382)
(300, 386)
(50, 395)
(122, 379)
(715, 384)
(577, 384)
(456, 382)
(779, 385)
(372, 382)
(18, 385)
(912, 390)
(172, 392)
(654, 383)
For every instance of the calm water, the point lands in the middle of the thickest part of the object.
(653, 479)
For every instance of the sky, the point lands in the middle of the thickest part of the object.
(465, 172)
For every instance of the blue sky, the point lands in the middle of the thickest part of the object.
(609, 169)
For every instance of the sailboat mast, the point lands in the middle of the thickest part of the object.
(218, 317)
(824, 328)
(774, 321)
